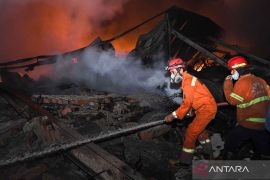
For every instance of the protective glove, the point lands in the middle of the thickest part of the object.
(229, 77)
(190, 113)
(169, 118)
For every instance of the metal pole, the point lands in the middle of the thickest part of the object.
(67, 146)
(199, 48)
(169, 35)
(238, 50)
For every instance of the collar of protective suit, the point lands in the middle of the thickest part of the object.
(246, 75)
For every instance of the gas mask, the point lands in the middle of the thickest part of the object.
(235, 76)
(176, 78)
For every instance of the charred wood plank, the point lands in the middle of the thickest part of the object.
(27, 173)
(11, 125)
(18, 107)
(45, 130)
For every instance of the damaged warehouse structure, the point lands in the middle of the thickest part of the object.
(73, 131)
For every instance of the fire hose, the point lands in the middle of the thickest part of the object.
(54, 148)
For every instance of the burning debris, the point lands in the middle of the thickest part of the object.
(96, 96)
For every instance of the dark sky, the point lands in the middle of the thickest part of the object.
(38, 27)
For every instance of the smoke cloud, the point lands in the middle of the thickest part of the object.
(103, 71)
(29, 28)
(41, 27)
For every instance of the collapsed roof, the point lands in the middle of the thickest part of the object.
(194, 26)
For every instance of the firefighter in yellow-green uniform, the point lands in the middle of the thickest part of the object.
(250, 94)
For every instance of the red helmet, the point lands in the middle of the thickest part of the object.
(236, 62)
(175, 63)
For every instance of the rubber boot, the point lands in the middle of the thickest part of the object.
(179, 164)
(207, 150)
(186, 158)
(184, 161)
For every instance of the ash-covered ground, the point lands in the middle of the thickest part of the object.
(90, 113)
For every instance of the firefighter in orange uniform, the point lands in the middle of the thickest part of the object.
(197, 96)
(250, 94)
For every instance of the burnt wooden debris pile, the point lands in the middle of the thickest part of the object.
(31, 123)
(43, 125)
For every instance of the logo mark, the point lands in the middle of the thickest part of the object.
(201, 169)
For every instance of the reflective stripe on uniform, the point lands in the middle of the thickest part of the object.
(174, 114)
(238, 65)
(254, 101)
(194, 79)
(205, 141)
(258, 120)
(237, 97)
(188, 150)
